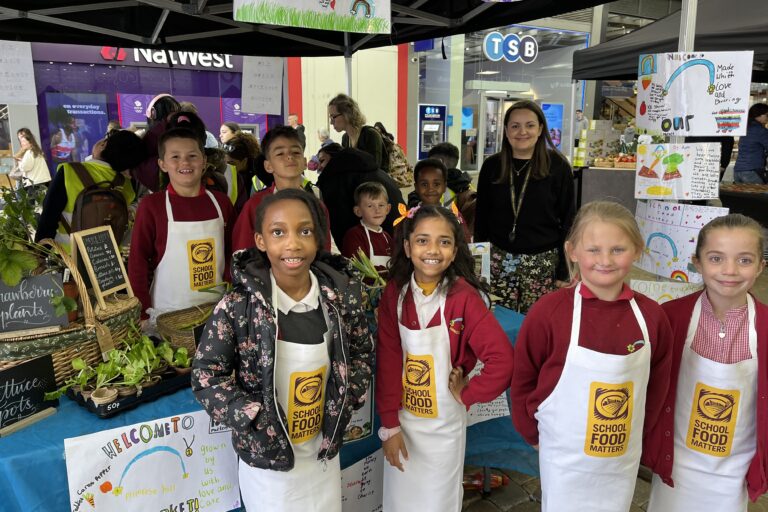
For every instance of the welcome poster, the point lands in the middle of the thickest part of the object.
(696, 93)
(365, 16)
(182, 462)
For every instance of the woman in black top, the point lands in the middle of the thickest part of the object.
(525, 207)
(345, 116)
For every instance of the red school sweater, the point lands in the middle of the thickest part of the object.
(659, 444)
(355, 239)
(150, 232)
(474, 333)
(608, 327)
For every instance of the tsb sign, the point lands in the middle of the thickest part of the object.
(510, 47)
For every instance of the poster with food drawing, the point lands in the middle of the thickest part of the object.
(677, 171)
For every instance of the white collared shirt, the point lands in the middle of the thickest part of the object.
(426, 305)
(286, 304)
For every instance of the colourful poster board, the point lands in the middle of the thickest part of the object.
(697, 93)
(677, 171)
(364, 16)
(670, 232)
(663, 291)
(182, 461)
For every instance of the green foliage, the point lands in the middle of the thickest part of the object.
(276, 14)
(63, 304)
(15, 263)
(363, 264)
(181, 358)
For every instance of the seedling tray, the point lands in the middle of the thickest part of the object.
(170, 383)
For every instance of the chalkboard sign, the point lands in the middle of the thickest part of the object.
(22, 388)
(28, 305)
(99, 253)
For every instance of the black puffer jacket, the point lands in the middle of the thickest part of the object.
(233, 371)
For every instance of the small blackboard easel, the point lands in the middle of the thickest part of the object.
(96, 251)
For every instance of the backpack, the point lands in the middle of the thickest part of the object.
(99, 204)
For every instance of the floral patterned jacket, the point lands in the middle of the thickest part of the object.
(233, 370)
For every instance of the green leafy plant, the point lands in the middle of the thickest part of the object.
(181, 358)
(63, 304)
(363, 264)
(85, 374)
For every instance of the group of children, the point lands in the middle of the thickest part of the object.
(602, 377)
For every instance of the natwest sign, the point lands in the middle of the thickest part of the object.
(136, 57)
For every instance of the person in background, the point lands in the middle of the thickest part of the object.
(31, 167)
(227, 131)
(286, 358)
(118, 152)
(753, 148)
(325, 154)
(345, 116)
(709, 441)
(293, 122)
(325, 139)
(591, 371)
(433, 327)
(581, 123)
(525, 207)
(244, 153)
(460, 183)
(181, 240)
(210, 139)
(113, 124)
(372, 206)
(147, 173)
(431, 188)
(399, 168)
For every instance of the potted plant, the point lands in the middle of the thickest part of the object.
(79, 383)
(178, 359)
(19, 255)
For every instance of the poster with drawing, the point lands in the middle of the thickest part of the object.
(481, 254)
(182, 462)
(695, 93)
(678, 171)
(670, 231)
(364, 16)
(362, 484)
(663, 291)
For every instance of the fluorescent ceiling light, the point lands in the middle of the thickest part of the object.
(489, 72)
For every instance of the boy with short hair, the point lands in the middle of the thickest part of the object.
(284, 159)
(430, 178)
(371, 206)
(181, 237)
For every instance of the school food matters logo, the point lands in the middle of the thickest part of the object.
(609, 420)
(201, 255)
(305, 406)
(713, 420)
(419, 395)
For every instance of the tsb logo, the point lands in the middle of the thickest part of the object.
(510, 47)
(112, 53)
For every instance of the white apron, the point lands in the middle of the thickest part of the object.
(301, 372)
(378, 261)
(591, 426)
(433, 423)
(193, 259)
(715, 436)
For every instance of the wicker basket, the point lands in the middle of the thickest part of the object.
(174, 326)
(78, 339)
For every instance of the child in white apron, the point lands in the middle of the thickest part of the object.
(372, 206)
(285, 359)
(591, 368)
(705, 446)
(433, 328)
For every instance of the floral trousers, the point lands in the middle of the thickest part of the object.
(519, 280)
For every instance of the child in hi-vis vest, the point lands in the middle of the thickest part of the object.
(708, 446)
(592, 369)
(286, 358)
(433, 328)
(180, 243)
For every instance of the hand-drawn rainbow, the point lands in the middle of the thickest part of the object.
(119, 489)
(663, 236)
(679, 275)
(695, 62)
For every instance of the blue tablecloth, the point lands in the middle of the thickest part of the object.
(33, 473)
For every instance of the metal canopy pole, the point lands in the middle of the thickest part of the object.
(348, 62)
(685, 42)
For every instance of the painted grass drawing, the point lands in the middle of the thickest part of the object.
(274, 14)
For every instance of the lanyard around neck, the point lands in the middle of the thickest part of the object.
(517, 203)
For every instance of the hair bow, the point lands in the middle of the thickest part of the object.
(405, 213)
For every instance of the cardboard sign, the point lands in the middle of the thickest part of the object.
(99, 262)
(677, 171)
(28, 305)
(182, 462)
(362, 484)
(22, 388)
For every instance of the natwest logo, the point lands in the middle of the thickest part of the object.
(174, 58)
(112, 53)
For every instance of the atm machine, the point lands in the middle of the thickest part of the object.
(432, 124)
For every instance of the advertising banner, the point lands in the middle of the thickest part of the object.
(182, 462)
(670, 232)
(696, 93)
(76, 121)
(365, 16)
(553, 112)
(678, 171)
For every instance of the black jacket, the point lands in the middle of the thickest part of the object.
(338, 181)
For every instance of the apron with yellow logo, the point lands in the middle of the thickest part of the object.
(193, 260)
(301, 372)
(433, 423)
(591, 425)
(715, 437)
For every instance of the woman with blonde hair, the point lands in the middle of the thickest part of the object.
(31, 167)
(345, 116)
